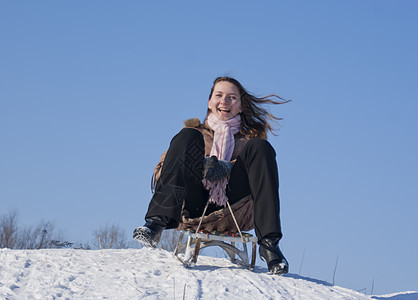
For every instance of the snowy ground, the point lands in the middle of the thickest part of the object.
(150, 274)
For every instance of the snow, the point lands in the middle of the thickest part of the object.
(151, 274)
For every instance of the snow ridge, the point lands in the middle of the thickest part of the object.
(150, 274)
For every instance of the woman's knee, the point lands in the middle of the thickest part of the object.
(189, 136)
(260, 146)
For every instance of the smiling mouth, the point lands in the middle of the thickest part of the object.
(224, 110)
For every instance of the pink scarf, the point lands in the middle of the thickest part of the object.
(222, 147)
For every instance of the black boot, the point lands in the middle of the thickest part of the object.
(149, 234)
(271, 254)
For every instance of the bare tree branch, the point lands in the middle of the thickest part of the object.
(111, 237)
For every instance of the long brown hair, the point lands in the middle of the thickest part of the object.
(255, 119)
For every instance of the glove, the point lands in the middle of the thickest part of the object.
(214, 169)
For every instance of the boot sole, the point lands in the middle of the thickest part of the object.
(141, 235)
(277, 269)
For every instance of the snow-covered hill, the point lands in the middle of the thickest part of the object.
(150, 274)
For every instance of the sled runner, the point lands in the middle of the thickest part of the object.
(198, 239)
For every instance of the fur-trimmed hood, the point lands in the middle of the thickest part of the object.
(193, 123)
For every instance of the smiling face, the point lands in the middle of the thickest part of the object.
(225, 101)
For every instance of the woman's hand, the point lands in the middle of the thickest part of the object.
(214, 169)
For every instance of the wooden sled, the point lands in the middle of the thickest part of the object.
(197, 240)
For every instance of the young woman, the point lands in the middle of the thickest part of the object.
(227, 158)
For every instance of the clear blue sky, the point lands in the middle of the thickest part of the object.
(91, 93)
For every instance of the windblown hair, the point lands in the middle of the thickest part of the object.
(255, 119)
